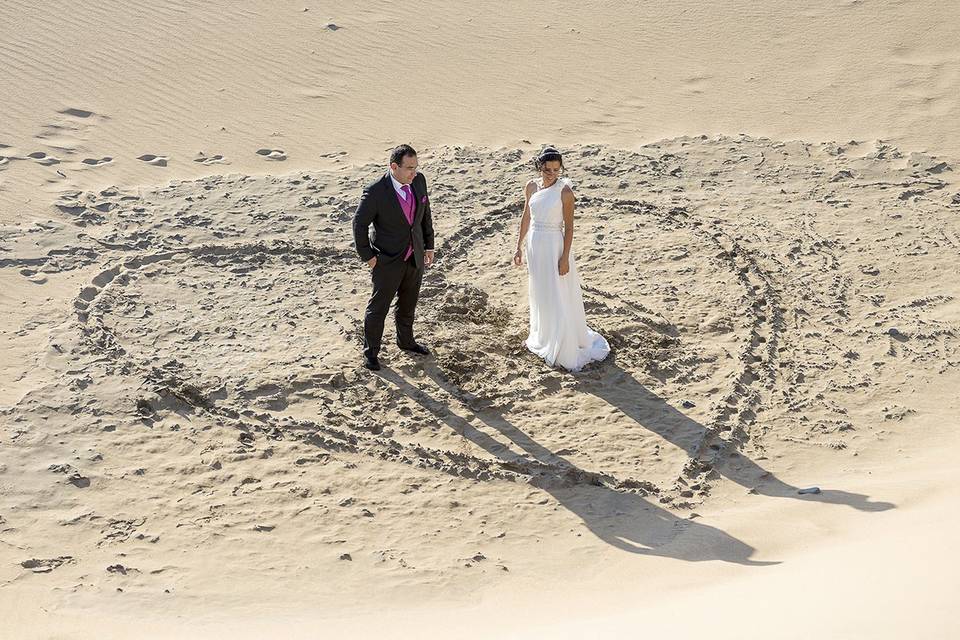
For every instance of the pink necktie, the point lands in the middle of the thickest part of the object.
(408, 212)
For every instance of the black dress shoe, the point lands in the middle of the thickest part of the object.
(415, 348)
(371, 362)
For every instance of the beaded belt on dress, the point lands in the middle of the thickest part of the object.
(546, 226)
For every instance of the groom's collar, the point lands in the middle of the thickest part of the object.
(396, 183)
(397, 186)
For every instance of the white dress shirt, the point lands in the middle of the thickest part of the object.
(399, 188)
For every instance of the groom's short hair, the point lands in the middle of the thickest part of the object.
(401, 152)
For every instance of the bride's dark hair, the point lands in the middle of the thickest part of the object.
(547, 154)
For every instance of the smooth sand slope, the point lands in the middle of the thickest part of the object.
(768, 233)
(131, 93)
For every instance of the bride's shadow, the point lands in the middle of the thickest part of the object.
(649, 411)
(624, 520)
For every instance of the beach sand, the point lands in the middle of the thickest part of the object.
(767, 231)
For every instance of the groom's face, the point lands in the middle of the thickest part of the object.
(406, 171)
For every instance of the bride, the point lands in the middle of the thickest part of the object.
(558, 326)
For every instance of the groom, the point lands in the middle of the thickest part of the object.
(397, 251)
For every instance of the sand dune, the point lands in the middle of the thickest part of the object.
(767, 232)
(124, 80)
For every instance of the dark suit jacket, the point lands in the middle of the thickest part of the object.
(392, 234)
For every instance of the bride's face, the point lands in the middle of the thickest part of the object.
(550, 171)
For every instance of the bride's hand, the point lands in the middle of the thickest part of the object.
(564, 266)
(518, 258)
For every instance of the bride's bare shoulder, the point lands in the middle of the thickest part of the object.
(530, 187)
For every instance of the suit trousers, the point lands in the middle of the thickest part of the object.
(398, 279)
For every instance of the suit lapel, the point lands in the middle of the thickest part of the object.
(392, 197)
(416, 200)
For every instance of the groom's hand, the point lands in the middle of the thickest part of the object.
(428, 257)
(372, 262)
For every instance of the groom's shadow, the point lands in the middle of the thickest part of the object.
(649, 411)
(625, 520)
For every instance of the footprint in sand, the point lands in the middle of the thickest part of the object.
(76, 113)
(46, 565)
(4, 161)
(96, 162)
(203, 158)
(33, 276)
(43, 158)
(272, 154)
(157, 161)
(696, 85)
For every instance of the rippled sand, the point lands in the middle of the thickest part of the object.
(190, 447)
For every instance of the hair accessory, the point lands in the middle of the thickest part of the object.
(547, 151)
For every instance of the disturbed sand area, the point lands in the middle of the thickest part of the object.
(202, 417)
(783, 315)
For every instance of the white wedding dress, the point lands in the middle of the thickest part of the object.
(558, 326)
